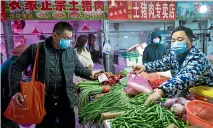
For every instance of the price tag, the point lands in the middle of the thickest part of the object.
(102, 78)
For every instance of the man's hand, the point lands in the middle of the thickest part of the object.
(90, 67)
(18, 99)
(139, 69)
(94, 75)
(158, 93)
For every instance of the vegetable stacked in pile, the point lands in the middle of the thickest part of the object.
(153, 116)
(114, 101)
(150, 116)
(90, 88)
(112, 78)
(136, 114)
(124, 72)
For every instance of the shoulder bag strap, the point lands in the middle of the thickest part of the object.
(35, 67)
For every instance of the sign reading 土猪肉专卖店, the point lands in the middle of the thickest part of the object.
(142, 10)
(58, 9)
(191, 10)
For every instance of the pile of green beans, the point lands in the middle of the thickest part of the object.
(114, 101)
(153, 116)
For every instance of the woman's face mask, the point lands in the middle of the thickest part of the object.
(86, 45)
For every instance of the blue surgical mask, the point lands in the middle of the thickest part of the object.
(156, 41)
(85, 46)
(64, 43)
(179, 47)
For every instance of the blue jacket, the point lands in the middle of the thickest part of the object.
(195, 70)
(4, 77)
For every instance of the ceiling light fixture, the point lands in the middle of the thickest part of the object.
(203, 8)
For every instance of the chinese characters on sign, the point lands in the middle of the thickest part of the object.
(142, 10)
(148, 10)
(63, 9)
(118, 11)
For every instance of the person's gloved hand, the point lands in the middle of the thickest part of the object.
(158, 93)
(139, 69)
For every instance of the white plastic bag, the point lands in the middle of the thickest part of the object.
(107, 48)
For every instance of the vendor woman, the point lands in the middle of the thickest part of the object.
(189, 67)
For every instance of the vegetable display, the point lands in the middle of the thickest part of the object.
(112, 79)
(154, 116)
(83, 96)
(114, 101)
(124, 72)
(134, 113)
(89, 88)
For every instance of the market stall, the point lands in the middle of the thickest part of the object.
(117, 106)
(122, 31)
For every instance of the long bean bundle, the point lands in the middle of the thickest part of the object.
(83, 96)
(114, 101)
(154, 116)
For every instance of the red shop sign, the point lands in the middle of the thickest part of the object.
(119, 11)
(143, 10)
(56, 9)
(3, 10)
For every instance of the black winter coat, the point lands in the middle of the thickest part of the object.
(70, 64)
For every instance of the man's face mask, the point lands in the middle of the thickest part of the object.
(180, 42)
(64, 43)
(179, 47)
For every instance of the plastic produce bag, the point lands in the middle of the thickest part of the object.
(131, 91)
(107, 48)
(154, 79)
(138, 83)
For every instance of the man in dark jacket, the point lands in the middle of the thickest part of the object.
(57, 64)
(5, 98)
(155, 50)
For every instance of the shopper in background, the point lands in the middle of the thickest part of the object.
(83, 54)
(94, 48)
(5, 91)
(155, 50)
(189, 66)
(56, 66)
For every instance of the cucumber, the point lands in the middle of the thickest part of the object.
(88, 83)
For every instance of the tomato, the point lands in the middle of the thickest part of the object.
(106, 89)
